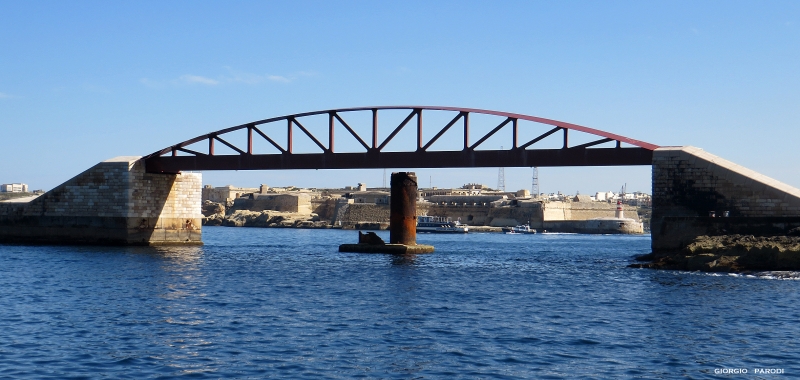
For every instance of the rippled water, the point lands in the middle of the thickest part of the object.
(283, 303)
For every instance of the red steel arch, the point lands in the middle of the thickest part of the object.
(167, 160)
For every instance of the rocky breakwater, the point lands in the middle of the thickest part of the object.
(732, 253)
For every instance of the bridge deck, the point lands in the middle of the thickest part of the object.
(434, 159)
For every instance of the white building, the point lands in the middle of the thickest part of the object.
(13, 188)
(605, 196)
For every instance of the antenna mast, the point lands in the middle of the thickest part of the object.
(501, 178)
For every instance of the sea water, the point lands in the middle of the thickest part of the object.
(284, 303)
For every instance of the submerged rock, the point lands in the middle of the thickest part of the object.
(731, 253)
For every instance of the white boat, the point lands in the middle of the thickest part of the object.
(521, 229)
(438, 224)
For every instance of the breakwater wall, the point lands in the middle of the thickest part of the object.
(554, 211)
(113, 203)
(594, 226)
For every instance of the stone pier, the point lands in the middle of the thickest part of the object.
(113, 203)
(696, 193)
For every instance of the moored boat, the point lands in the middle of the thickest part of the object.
(438, 224)
(520, 229)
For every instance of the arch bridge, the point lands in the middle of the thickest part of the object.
(147, 200)
(373, 153)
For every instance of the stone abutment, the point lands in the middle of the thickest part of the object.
(113, 203)
(696, 193)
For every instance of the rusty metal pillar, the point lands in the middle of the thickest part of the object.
(403, 209)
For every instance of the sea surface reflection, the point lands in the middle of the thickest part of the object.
(285, 303)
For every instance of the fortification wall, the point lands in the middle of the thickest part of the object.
(114, 202)
(352, 214)
(594, 226)
(487, 216)
(225, 194)
(477, 200)
(472, 215)
(690, 184)
(298, 203)
(513, 216)
(325, 208)
(554, 211)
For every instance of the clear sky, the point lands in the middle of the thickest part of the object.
(84, 81)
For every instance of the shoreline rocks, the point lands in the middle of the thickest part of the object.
(730, 253)
(246, 218)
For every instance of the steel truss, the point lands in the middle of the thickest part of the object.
(519, 154)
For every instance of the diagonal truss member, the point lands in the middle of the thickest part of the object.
(167, 160)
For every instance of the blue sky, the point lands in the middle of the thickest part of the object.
(84, 81)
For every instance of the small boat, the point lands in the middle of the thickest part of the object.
(520, 229)
(438, 224)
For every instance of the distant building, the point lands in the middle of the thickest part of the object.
(582, 198)
(298, 202)
(468, 189)
(466, 200)
(13, 188)
(360, 187)
(226, 194)
(376, 197)
(638, 199)
(605, 196)
(474, 186)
